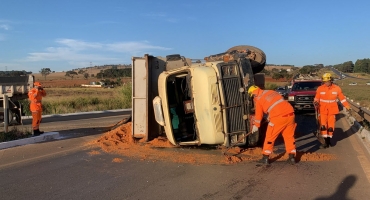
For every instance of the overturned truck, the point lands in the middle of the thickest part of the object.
(194, 103)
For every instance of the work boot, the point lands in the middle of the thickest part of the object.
(324, 146)
(37, 132)
(291, 159)
(327, 141)
(264, 160)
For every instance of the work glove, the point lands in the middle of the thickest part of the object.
(348, 108)
(254, 129)
(316, 104)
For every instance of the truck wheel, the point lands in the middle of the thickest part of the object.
(259, 61)
(10, 116)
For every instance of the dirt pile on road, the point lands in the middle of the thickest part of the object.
(121, 142)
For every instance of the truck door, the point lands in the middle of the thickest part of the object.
(145, 72)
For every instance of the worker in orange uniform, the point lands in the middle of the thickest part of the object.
(281, 120)
(35, 96)
(326, 99)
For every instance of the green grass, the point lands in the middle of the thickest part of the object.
(15, 133)
(271, 86)
(359, 93)
(72, 100)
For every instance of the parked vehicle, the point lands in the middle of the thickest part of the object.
(197, 103)
(281, 90)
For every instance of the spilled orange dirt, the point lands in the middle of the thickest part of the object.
(91, 153)
(117, 160)
(120, 141)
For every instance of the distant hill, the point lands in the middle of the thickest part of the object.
(270, 67)
(90, 70)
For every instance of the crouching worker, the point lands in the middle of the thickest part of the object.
(35, 96)
(281, 120)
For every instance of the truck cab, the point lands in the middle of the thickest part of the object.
(207, 102)
(302, 94)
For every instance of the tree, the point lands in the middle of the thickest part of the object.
(81, 71)
(71, 74)
(277, 76)
(266, 72)
(274, 70)
(45, 71)
(362, 66)
(288, 76)
(86, 75)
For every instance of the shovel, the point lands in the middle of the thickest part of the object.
(233, 145)
(317, 132)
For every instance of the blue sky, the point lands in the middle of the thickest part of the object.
(68, 34)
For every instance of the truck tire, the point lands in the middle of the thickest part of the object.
(259, 62)
(10, 116)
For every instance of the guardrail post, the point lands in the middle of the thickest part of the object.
(6, 108)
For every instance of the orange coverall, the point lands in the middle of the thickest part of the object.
(35, 97)
(327, 97)
(281, 119)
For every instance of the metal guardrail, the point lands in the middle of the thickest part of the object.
(363, 112)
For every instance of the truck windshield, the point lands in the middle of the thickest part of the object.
(305, 86)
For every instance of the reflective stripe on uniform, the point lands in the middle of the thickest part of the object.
(268, 151)
(322, 92)
(344, 100)
(274, 104)
(264, 92)
(258, 121)
(327, 101)
(334, 92)
(271, 124)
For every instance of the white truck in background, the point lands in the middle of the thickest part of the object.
(14, 84)
(196, 103)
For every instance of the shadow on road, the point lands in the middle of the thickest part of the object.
(306, 140)
(340, 134)
(342, 189)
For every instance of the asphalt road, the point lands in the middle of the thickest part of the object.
(340, 74)
(65, 169)
(75, 125)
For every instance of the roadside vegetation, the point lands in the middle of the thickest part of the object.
(72, 100)
(359, 93)
(15, 133)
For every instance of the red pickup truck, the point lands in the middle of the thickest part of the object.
(302, 94)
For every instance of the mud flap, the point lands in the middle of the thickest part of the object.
(317, 132)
